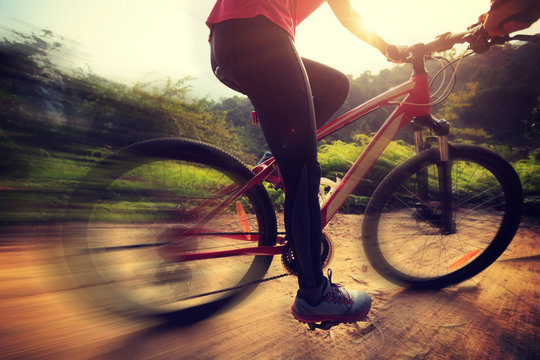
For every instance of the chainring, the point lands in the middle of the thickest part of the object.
(288, 258)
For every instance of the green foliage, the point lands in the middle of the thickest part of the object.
(457, 101)
(54, 125)
(276, 196)
(532, 135)
(470, 135)
(237, 112)
(508, 79)
(158, 190)
(528, 170)
(355, 204)
(337, 157)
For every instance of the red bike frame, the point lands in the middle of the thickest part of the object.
(415, 103)
(416, 97)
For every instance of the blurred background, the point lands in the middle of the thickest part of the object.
(80, 80)
(65, 102)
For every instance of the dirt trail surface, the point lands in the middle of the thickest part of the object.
(493, 316)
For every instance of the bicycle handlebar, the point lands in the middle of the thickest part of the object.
(478, 39)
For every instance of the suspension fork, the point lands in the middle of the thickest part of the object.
(445, 217)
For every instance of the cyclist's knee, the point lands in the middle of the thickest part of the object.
(303, 175)
(314, 170)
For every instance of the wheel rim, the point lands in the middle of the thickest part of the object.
(127, 254)
(410, 240)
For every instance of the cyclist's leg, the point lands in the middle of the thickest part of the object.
(261, 59)
(329, 87)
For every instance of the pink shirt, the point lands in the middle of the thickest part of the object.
(285, 13)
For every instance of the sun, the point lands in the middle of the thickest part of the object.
(321, 37)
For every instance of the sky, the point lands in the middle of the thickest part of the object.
(142, 40)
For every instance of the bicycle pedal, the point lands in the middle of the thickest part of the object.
(324, 325)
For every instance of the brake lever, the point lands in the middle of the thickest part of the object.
(499, 40)
(522, 37)
(479, 40)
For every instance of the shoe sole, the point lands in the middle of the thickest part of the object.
(334, 318)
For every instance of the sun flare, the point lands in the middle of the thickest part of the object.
(128, 41)
(322, 38)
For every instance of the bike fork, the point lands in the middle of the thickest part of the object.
(443, 215)
(444, 168)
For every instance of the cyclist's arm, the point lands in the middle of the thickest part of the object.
(507, 16)
(351, 20)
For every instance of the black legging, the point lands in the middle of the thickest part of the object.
(292, 98)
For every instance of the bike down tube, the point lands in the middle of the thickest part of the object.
(416, 103)
(257, 179)
(255, 250)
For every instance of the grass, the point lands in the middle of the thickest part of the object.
(43, 194)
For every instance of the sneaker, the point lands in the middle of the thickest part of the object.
(267, 155)
(274, 178)
(338, 305)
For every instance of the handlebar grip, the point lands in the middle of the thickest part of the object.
(477, 37)
(393, 53)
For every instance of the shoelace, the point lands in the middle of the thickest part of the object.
(338, 294)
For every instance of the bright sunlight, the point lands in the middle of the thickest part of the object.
(138, 40)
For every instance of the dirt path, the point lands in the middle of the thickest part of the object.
(494, 316)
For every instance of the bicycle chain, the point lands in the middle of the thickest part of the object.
(252, 283)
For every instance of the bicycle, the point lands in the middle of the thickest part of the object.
(165, 222)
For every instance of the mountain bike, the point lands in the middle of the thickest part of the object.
(179, 228)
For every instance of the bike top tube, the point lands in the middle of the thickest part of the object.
(416, 88)
(415, 95)
(416, 103)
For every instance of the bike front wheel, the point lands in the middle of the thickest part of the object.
(404, 234)
(156, 222)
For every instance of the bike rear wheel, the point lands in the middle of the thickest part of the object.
(150, 207)
(403, 232)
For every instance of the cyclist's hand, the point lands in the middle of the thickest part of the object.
(479, 40)
(396, 53)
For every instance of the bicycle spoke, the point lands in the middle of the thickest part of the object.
(419, 247)
(154, 214)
